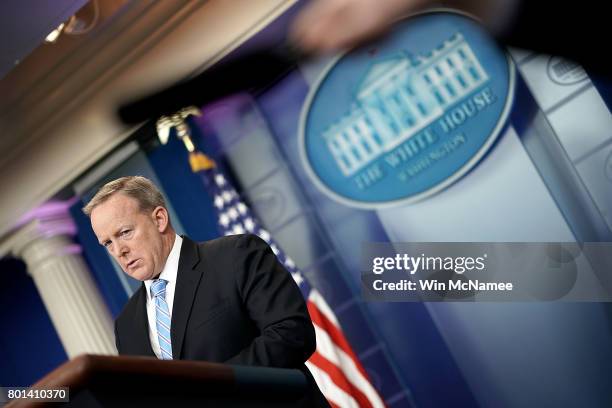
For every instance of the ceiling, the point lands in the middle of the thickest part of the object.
(26, 23)
(43, 67)
(57, 106)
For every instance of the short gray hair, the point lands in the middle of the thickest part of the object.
(146, 194)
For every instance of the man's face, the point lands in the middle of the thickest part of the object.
(131, 236)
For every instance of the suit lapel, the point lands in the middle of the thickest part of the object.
(187, 280)
(141, 325)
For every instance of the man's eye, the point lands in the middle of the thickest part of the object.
(125, 232)
(106, 244)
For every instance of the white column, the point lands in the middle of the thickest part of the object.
(75, 306)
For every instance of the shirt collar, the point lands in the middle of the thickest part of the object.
(170, 270)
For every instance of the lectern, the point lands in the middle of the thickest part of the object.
(111, 381)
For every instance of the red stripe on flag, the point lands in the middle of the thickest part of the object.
(339, 379)
(331, 403)
(335, 334)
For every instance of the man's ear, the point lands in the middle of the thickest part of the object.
(161, 218)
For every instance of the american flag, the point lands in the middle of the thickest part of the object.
(335, 367)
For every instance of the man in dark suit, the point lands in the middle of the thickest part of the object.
(227, 300)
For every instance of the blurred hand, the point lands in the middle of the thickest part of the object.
(328, 25)
(331, 25)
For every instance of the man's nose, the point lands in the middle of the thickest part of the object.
(121, 249)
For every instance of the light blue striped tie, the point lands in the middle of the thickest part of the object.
(162, 318)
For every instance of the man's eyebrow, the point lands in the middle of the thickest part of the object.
(122, 227)
(115, 233)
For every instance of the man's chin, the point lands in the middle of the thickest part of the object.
(140, 274)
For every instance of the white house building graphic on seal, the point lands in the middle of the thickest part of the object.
(400, 96)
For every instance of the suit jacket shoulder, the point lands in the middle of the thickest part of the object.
(232, 243)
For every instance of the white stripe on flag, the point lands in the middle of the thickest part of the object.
(337, 356)
(331, 391)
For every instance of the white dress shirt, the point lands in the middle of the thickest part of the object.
(168, 274)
